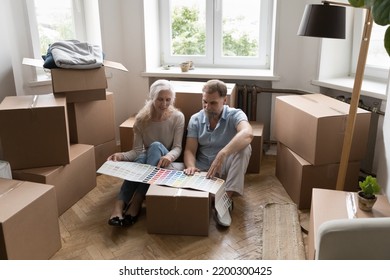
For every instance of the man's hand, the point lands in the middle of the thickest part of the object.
(216, 166)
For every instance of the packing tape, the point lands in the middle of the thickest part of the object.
(351, 205)
(178, 192)
(176, 198)
(34, 101)
(6, 191)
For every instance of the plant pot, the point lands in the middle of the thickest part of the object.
(185, 66)
(365, 204)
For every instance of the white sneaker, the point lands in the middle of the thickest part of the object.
(224, 220)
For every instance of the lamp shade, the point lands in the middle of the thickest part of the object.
(325, 21)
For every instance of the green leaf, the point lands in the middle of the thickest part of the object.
(381, 12)
(387, 40)
(356, 3)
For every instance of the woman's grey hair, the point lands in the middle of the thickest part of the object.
(160, 85)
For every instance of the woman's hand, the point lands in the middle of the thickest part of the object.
(116, 157)
(164, 161)
(191, 170)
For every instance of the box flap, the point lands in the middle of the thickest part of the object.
(159, 190)
(39, 63)
(32, 101)
(319, 105)
(114, 65)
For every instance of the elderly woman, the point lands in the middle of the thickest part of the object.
(158, 134)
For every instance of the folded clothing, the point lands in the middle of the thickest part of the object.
(73, 54)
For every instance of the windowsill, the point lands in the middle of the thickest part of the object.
(215, 73)
(370, 88)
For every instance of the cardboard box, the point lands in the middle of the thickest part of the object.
(331, 205)
(92, 123)
(79, 85)
(127, 138)
(299, 177)
(103, 151)
(313, 126)
(177, 211)
(71, 181)
(76, 81)
(29, 228)
(34, 131)
(257, 148)
(126, 134)
(189, 97)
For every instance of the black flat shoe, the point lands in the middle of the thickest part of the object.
(129, 220)
(115, 221)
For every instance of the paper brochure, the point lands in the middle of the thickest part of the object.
(146, 173)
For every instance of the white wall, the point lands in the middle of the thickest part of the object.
(123, 40)
(7, 85)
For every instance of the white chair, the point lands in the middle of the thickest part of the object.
(354, 239)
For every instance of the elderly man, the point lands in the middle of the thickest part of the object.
(218, 141)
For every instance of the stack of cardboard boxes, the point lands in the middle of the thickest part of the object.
(55, 141)
(310, 132)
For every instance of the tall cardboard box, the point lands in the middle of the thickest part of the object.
(71, 181)
(177, 211)
(313, 126)
(93, 122)
(299, 177)
(103, 151)
(257, 148)
(29, 228)
(34, 131)
(127, 134)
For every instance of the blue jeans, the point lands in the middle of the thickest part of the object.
(152, 156)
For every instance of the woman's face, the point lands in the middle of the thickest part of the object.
(163, 100)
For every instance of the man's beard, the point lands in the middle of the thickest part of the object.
(211, 115)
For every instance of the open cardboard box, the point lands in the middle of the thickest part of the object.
(78, 85)
(177, 211)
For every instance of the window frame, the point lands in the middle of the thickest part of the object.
(371, 72)
(85, 17)
(78, 20)
(213, 56)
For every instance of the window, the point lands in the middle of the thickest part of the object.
(52, 21)
(224, 33)
(378, 61)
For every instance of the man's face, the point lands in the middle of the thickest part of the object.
(213, 104)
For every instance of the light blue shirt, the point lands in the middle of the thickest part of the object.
(210, 142)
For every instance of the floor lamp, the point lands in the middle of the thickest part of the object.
(328, 21)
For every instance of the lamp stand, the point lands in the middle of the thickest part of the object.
(354, 101)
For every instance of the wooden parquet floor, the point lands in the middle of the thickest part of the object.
(87, 236)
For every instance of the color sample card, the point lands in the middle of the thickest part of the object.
(145, 173)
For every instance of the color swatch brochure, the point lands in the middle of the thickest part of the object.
(146, 173)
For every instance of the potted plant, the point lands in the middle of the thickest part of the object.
(367, 195)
